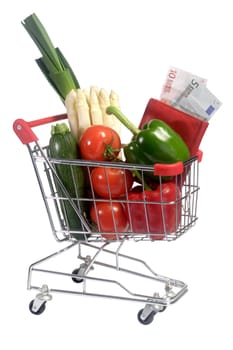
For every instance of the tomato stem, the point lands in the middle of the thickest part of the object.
(138, 175)
(110, 153)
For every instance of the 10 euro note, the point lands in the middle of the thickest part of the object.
(176, 82)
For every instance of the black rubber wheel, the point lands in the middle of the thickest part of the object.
(39, 311)
(147, 320)
(76, 279)
(163, 309)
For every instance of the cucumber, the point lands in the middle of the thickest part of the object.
(62, 145)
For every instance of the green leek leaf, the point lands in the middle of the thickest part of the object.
(53, 64)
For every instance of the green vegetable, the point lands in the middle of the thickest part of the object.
(157, 142)
(52, 63)
(62, 145)
(134, 154)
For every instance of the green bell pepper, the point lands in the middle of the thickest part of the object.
(157, 142)
(133, 153)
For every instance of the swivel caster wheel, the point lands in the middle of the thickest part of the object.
(37, 305)
(37, 308)
(146, 315)
(82, 270)
(77, 279)
(162, 309)
(146, 319)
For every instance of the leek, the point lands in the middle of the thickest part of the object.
(53, 64)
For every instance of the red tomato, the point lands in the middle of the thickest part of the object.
(109, 217)
(111, 182)
(99, 142)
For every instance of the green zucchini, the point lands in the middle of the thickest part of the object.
(62, 145)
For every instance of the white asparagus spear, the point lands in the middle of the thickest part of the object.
(95, 110)
(87, 95)
(71, 108)
(84, 120)
(114, 101)
(104, 102)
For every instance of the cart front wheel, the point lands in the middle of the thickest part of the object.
(146, 320)
(39, 310)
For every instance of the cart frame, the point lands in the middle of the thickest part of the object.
(186, 175)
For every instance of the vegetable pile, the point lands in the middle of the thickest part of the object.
(113, 198)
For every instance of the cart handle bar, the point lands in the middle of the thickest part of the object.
(24, 131)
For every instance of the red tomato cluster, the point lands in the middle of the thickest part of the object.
(101, 143)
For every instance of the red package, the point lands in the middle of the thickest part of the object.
(190, 128)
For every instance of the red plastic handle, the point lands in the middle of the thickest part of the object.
(199, 155)
(168, 169)
(174, 168)
(24, 131)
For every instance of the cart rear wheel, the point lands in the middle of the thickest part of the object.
(77, 279)
(163, 309)
(148, 319)
(38, 311)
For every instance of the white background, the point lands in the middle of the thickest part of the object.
(126, 46)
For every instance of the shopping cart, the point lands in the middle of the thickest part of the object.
(103, 270)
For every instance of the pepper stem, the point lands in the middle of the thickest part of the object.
(138, 175)
(123, 119)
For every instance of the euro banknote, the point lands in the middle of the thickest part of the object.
(198, 100)
(188, 92)
(176, 82)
